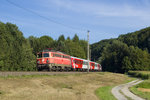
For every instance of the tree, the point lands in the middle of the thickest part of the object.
(45, 42)
(113, 56)
(14, 49)
(118, 57)
(75, 38)
(61, 38)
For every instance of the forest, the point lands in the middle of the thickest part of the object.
(127, 52)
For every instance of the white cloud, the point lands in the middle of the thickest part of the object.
(103, 9)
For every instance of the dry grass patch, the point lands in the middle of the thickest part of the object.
(143, 90)
(70, 87)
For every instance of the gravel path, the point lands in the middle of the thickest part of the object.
(124, 88)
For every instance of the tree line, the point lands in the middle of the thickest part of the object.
(18, 53)
(15, 51)
(73, 47)
(127, 52)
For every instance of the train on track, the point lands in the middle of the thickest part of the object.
(52, 60)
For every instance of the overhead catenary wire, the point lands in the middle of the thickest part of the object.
(46, 18)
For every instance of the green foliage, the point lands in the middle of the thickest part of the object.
(140, 74)
(97, 48)
(118, 57)
(41, 43)
(61, 38)
(113, 56)
(16, 53)
(19, 54)
(139, 39)
(74, 47)
(104, 93)
(75, 38)
(145, 85)
(127, 52)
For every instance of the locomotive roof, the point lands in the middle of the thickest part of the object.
(84, 59)
(47, 50)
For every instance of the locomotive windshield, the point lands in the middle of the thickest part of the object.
(46, 54)
(40, 55)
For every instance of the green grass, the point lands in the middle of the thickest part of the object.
(140, 74)
(1, 92)
(42, 75)
(37, 75)
(145, 84)
(104, 93)
(145, 95)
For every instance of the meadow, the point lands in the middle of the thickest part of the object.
(60, 87)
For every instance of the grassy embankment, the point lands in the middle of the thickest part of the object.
(142, 89)
(60, 87)
(140, 74)
(104, 93)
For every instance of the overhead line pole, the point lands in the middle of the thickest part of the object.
(88, 50)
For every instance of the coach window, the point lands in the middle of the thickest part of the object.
(46, 55)
(59, 55)
(92, 64)
(56, 55)
(84, 62)
(95, 65)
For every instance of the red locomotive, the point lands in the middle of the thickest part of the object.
(58, 61)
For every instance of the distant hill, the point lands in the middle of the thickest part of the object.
(134, 42)
(97, 48)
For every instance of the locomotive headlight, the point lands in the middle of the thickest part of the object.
(42, 60)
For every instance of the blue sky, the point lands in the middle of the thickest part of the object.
(104, 18)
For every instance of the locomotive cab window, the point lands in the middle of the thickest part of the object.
(46, 54)
(67, 57)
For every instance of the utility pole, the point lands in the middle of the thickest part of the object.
(88, 50)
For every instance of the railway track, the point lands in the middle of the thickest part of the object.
(6, 74)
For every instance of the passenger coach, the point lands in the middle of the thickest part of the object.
(82, 64)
